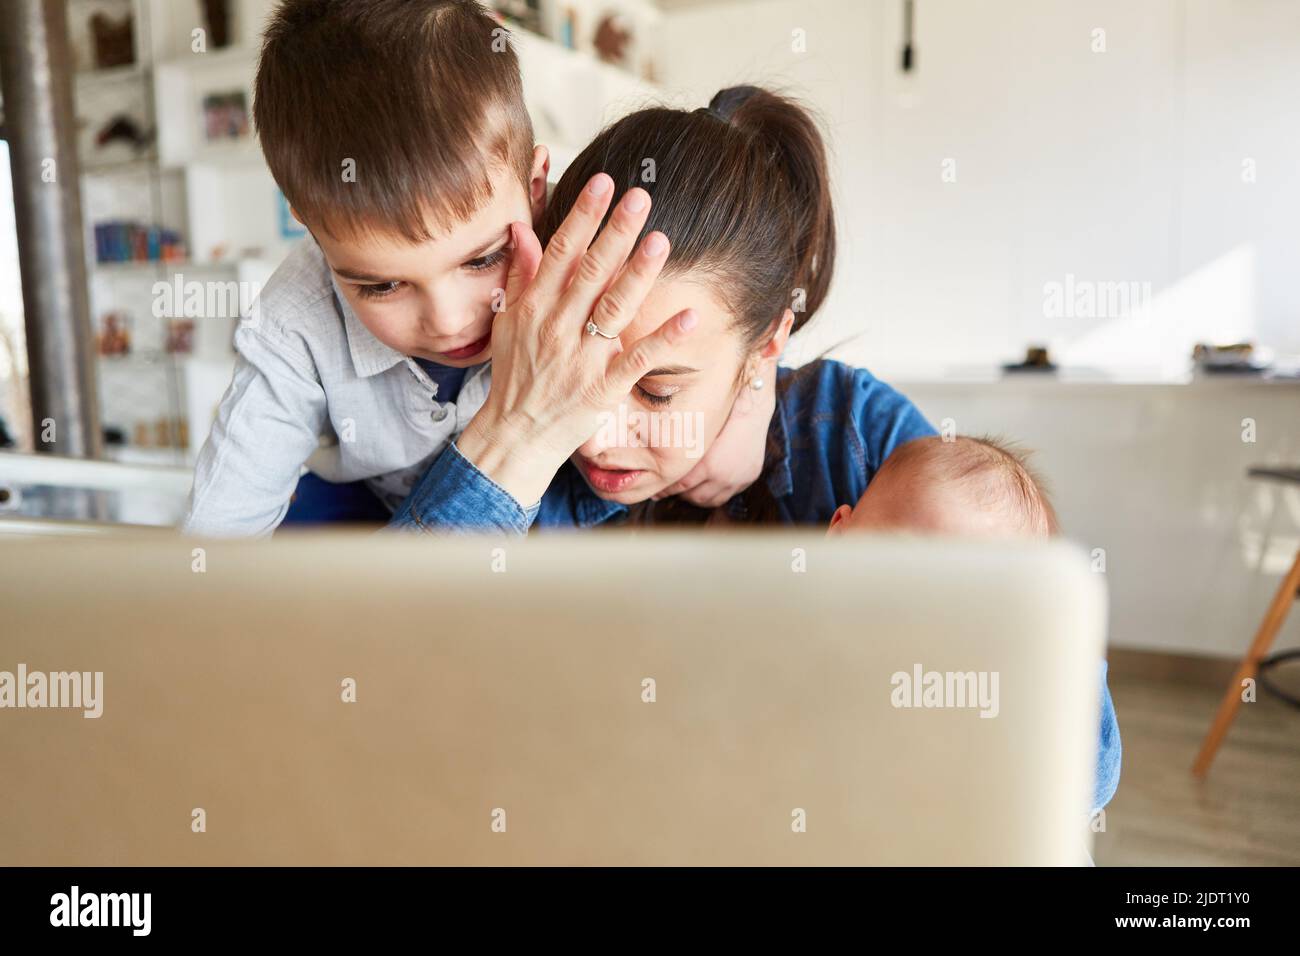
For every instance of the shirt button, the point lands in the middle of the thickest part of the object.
(440, 414)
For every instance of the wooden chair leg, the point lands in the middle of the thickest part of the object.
(1268, 628)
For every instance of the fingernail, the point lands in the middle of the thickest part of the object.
(636, 200)
(688, 320)
(599, 184)
(654, 244)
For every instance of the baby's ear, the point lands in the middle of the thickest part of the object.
(842, 514)
(537, 183)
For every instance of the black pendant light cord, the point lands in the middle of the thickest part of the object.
(909, 54)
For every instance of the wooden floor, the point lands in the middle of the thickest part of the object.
(1246, 812)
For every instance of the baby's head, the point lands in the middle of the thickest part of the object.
(966, 486)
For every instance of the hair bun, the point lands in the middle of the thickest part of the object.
(726, 102)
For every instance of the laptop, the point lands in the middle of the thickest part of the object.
(609, 698)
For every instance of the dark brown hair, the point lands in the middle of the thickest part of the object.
(422, 95)
(741, 191)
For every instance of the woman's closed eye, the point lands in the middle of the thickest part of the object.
(658, 395)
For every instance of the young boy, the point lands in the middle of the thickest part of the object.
(398, 134)
(975, 487)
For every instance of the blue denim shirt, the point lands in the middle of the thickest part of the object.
(833, 428)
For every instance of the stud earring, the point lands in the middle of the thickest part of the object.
(756, 384)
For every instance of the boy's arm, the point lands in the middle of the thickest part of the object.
(268, 424)
(735, 459)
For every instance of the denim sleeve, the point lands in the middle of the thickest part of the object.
(1109, 749)
(883, 419)
(454, 496)
(886, 418)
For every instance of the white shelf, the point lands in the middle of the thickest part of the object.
(171, 265)
(139, 166)
(571, 95)
(242, 57)
(180, 86)
(135, 266)
(133, 72)
(227, 152)
(145, 358)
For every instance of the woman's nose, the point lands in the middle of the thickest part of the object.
(620, 427)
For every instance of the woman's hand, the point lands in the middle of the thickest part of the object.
(550, 379)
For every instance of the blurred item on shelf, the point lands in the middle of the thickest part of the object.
(290, 228)
(526, 13)
(216, 14)
(225, 116)
(121, 241)
(612, 38)
(114, 40)
(1037, 359)
(161, 433)
(180, 337)
(125, 129)
(1234, 357)
(114, 336)
(568, 37)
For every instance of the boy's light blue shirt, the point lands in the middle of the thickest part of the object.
(313, 387)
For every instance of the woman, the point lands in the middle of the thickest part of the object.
(593, 330)
(742, 190)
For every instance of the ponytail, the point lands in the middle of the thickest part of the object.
(786, 133)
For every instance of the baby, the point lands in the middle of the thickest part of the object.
(972, 486)
(967, 486)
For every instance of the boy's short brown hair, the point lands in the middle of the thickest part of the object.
(422, 96)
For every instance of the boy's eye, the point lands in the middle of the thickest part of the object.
(378, 290)
(656, 398)
(491, 260)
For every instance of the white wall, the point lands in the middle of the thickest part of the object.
(1113, 167)
(1155, 475)
(1122, 166)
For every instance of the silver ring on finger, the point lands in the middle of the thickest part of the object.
(594, 329)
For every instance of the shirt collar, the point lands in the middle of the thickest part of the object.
(369, 355)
